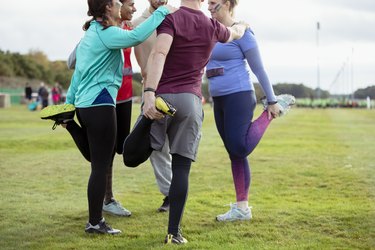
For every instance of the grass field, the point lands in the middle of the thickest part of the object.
(313, 187)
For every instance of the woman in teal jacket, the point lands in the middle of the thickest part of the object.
(93, 90)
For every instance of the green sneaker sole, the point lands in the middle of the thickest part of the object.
(54, 112)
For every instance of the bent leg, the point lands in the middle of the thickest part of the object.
(256, 131)
(79, 135)
(123, 118)
(123, 115)
(137, 147)
(233, 116)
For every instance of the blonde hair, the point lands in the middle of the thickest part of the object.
(233, 4)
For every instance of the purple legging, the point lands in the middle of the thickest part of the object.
(233, 117)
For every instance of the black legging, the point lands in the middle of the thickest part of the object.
(98, 127)
(123, 116)
(137, 148)
(178, 191)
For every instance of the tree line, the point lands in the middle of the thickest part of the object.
(36, 65)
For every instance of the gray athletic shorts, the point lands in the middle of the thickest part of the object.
(183, 129)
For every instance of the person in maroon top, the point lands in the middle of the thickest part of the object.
(175, 68)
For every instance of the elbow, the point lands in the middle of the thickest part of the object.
(157, 55)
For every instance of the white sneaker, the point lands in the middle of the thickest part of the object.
(235, 213)
(116, 208)
(284, 101)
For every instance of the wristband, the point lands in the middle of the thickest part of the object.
(149, 89)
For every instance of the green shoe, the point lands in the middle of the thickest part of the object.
(58, 113)
(164, 106)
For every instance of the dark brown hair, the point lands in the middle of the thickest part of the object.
(97, 9)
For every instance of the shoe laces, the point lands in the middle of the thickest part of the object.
(55, 125)
(233, 206)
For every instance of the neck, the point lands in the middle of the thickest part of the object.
(192, 4)
(151, 9)
(227, 20)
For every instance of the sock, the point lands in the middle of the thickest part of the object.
(243, 205)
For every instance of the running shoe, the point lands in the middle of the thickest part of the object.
(115, 208)
(165, 206)
(59, 113)
(101, 228)
(164, 106)
(284, 101)
(172, 239)
(235, 213)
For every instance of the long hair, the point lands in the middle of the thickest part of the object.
(97, 9)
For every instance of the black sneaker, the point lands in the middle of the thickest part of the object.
(101, 228)
(171, 239)
(165, 206)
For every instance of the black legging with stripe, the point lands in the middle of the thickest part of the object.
(97, 140)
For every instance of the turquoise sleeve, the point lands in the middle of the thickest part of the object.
(71, 94)
(117, 38)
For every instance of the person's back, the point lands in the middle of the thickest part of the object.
(194, 36)
(96, 64)
(175, 68)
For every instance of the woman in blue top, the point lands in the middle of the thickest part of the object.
(234, 103)
(93, 90)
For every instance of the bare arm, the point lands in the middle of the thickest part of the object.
(155, 67)
(237, 31)
(142, 52)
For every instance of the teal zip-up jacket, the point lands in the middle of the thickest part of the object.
(98, 71)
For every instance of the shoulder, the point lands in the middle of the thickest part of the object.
(247, 37)
(137, 21)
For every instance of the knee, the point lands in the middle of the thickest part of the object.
(238, 150)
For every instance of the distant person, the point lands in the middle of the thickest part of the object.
(28, 92)
(92, 95)
(43, 95)
(56, 94)
(234, 102)
(174, 71)
(160, 160)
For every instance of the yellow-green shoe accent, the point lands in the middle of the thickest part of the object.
(58, 113)
(164, 106)
(178, 240)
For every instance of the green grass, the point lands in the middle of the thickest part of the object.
(313, 187)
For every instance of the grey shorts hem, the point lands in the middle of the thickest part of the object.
(183, 130)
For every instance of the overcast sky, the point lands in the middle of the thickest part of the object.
(286, 32)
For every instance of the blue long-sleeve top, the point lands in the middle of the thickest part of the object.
(99, 61)
(233, 59)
